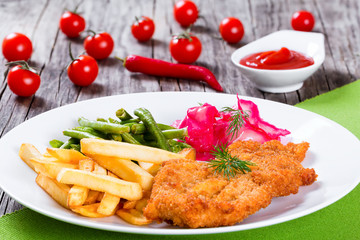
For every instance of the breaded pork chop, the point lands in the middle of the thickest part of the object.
(187, 193)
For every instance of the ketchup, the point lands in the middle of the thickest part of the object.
(277, 60)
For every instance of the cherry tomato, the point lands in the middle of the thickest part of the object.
(143, 29)
(23, 81)
(185, 12)
(83, 70)
(16, 46)
(185, 48)
(72, 24)
(231, 30)
(302, 21)
(99, 45)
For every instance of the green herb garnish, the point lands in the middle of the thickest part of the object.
(228, 165)
(238, 118)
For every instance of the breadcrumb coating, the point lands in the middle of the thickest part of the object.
(187, 193)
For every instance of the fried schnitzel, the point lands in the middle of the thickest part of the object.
(187, 193)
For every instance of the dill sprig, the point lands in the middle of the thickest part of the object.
(226, 164)
(238, 118)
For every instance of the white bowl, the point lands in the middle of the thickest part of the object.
(280, 81)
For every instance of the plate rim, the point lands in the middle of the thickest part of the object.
(181, 231)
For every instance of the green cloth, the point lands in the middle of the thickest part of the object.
(340, 220)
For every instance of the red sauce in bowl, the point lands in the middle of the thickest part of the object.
(283, 59)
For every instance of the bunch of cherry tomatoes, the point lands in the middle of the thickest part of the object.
(83, 70)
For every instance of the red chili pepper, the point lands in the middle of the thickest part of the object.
(160, 68)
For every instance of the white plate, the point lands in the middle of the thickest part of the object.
(330, 145)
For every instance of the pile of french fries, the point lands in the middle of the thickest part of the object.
(103, 180)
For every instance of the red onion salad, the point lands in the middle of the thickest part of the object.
(208, 127)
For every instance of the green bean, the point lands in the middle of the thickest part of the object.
(67, 144)
(139, 138)
(140, 128)
(56, 143)
(137, 128)
(176, 133)
(130, 124)
(75, 147)
(104, 126)
(91, 131)
(101, 120)
(150, 124)
(123, 115)
(117, 137)
(165, 127)
(111, 120)
(151, 144)
(127, 137)
(78, 134)
(173, 142)
(177, 146)
(170, 134)
(133, 120)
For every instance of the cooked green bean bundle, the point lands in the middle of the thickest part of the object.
(140, 130)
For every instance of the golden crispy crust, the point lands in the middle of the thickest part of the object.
(187, 193)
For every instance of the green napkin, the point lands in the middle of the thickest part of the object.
(340, 220)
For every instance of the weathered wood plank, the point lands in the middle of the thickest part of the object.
(229, 75)
(13, 110)
(7, 204)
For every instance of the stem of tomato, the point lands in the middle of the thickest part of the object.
(137, 20)
(186, 34)
(77, 6)
(70, 53)
(91, 31)
(23, 64)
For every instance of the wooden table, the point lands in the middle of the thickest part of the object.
(38, 19)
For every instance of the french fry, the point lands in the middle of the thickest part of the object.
(88, 210)
(100, 196)
(99, 169)
(117, 187)
(129, 204)
(189, 153)
(141, 204)
(28, 151)
(126, 170)
(56, 190)
(46, 154)
(66, 155)
(46, 158)
(151, 168)
(50, 168)
(109, 202)
(78, 194)
(92, 197)
(133, 216)
(86, 165)
(91, 146)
